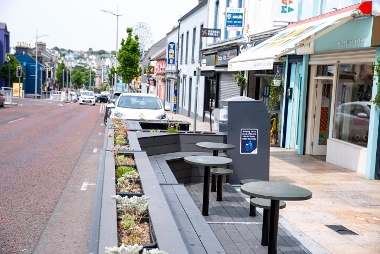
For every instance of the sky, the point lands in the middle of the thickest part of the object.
(80, 24)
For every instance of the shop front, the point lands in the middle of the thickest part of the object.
(341, 84)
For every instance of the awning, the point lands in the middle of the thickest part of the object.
(262, 56)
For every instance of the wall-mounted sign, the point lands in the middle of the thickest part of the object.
(248, 141)
(234, 17)
(171, 53)
(175, 100)
(224, 56)
(244, 46)
(210, 32)
(287, 10)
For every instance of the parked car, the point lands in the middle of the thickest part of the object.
(2, 100)
(137, 106)
(87, 97)
(114, 96)
(74, 96)
(352, 121)
(102, 98)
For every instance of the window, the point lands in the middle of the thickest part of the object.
(183, 92)
(187, 47)
(193, 46)
(352, 103)
(168, 92)
(181, 48)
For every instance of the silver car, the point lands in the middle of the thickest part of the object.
(87, 97)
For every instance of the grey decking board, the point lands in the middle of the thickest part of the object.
(157, 170)
(206, 235)
(250, 233)
(190, 237)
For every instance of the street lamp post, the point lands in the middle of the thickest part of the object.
(9, 71)
(117, 35)
(35, 78)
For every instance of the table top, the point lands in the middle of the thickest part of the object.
(208, 160)
(215, 146)
(275, 191)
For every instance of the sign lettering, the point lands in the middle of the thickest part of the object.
(171, 53)
(210, 32)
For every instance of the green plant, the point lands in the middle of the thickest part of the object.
(173, 127)
(240, 80)
(137, 206)
(275, 93)
(120, 140)
(124, 160)
(128, 221)
(121, 170)
(376, 70)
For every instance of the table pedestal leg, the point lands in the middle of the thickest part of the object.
(264, 235)
(219, 188)
(213, 177)
(206, 191)
(273, 226)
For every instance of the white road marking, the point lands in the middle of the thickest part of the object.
(95, 150)
(85, 185)
(16, 120)
(100, 133)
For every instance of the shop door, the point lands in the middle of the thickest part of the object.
(321, 116)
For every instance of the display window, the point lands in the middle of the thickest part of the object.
(352, 103)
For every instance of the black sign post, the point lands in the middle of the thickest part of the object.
(210, 32)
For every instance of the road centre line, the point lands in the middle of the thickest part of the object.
(16, 120)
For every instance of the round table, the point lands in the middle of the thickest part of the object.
(215, 147)
(207, 162)
(275, 192)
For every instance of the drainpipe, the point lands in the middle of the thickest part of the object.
(177, 71)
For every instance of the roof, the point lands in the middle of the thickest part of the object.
(200, 5)
(159, 54)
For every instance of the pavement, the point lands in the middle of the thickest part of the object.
(343, 216)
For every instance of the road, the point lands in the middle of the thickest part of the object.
(49, 159)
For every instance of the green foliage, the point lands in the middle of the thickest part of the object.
(129, 57)
(240, 80)
(128, 221)
(60, 81)
(173, 127)
(376, 70)
(121, 170)
(13, 63)
(275, 93)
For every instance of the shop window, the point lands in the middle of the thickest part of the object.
(325, 70)
(352, 103)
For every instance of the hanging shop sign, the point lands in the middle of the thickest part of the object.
(210, 32)
(171, 53)
(234, 17)
(175, 98)
(224, 56)
(287, 10)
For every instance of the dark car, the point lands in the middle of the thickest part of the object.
(2, 100)
(102, 98)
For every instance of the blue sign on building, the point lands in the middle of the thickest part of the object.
(171, 53)
(234, 17)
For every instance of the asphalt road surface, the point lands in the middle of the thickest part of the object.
(49, 159)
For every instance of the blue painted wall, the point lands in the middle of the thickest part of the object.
(4, 49)
(28, 65)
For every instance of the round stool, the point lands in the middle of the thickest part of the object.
(220, 172)
(252, 208)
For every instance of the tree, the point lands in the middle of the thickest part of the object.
(129, 57)
(13, 63)
(60, 80)
(78, 78)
